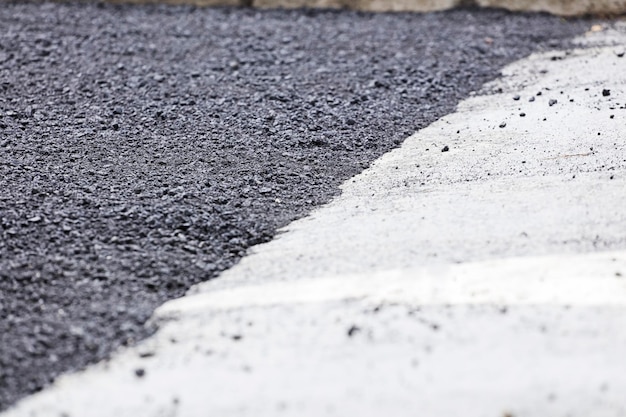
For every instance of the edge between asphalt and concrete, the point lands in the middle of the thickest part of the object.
(477, 270)
(558, 7)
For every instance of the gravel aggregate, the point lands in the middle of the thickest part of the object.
(143, 149)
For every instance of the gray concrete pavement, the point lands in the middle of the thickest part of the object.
(484, 280)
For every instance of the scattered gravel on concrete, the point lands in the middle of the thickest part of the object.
(144, 148)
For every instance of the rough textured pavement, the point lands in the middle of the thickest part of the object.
(144, 149)
(484, 280)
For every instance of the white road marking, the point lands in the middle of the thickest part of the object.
(556, 280)
(488, 280)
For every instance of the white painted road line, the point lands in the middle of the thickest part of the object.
(486, 280)
(556, 280)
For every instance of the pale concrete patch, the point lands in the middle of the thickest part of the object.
(488, 280)
(561, 7)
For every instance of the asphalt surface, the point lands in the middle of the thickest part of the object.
(144, 148)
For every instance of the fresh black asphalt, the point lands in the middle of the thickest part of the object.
(144, 148)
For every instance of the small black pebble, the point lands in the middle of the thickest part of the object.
(620, 54)
(539, 93)
(445, 149)
(531, 99)
(140, 372)
(237, 337)
(522, 115)
(611, 177)
(606, 93)
(516, 97)
(503, 124)
(353, 329)
(612, 116)
(552, 102)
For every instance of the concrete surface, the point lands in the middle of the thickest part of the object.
(484, 280)
(560, 7)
